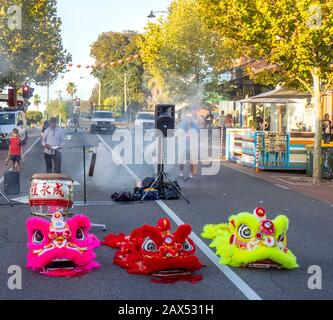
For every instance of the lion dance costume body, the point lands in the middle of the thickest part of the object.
(58, 248)
(154, 250)
(252, 240)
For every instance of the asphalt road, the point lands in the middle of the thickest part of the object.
(213, 199)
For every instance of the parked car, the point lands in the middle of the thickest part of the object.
(145, 119)
(103, 121)
(85, 121)
(10, 120)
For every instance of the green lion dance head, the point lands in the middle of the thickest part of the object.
(251, 240)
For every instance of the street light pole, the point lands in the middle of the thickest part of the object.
(59, 99)
(99, 92)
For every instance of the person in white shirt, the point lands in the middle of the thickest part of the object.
(52, 142)
(222, 120)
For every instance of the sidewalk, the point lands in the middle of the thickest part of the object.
(298, 182)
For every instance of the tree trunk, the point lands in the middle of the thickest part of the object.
(318, 128)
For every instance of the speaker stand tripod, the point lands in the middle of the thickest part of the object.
(7, 200)
(161, 174)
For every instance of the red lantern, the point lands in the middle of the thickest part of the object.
(112, 64)
(120, 62)
(70, 65)
(137, 56)
(103, 65)
(87, 66)
(79, 66)
(129, 59)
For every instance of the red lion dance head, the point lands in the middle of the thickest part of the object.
(61, 248)
(156, 251)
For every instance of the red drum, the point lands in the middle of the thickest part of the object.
(50, 193)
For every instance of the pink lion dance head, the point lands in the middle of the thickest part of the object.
(59, 248)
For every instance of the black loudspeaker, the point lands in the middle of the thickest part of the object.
(11, 183)
(165, 118)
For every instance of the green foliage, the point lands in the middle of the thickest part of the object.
(180, 51)
(34, 53)
(284, 32)
(113, 104)
(34, 117)
(36, 100)
(71, 89)
(58, 109)
(112, 47)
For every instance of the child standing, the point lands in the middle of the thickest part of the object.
(15, 150)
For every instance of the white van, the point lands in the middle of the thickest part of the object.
(145, 119)
(103, 121)
(10, 120)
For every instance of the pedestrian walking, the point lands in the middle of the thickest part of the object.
(188, 125)
(15, 151)
(209, 120)
(52, 142)
(327, 129)
(222, 120)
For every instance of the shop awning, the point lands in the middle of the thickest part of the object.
(278, 95)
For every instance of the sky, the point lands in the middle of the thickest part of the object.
(83, 21)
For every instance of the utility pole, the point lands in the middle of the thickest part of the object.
(99, 92)
(59, 100)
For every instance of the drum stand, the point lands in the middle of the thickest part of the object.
(103, 226)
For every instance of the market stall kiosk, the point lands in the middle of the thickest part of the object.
(288, 117)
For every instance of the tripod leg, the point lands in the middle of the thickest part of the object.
(9, 201)
(146, 193)
(175, 186)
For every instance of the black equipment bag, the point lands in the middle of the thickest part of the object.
(11, 183)
(170, 192)
(147, 182)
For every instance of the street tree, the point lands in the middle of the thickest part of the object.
(112, 47)
(113, 104)
(71, 89)
(179, 52)
(34, 117)
(58, 109)
(36, 100)
(294, 37)
(31, 51)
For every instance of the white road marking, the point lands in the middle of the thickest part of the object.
(231, 275)
(76, 183)
(228, 272)
(282, 187)
(32, 146)
(119, 160)
(69, 137)
(24, 200)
